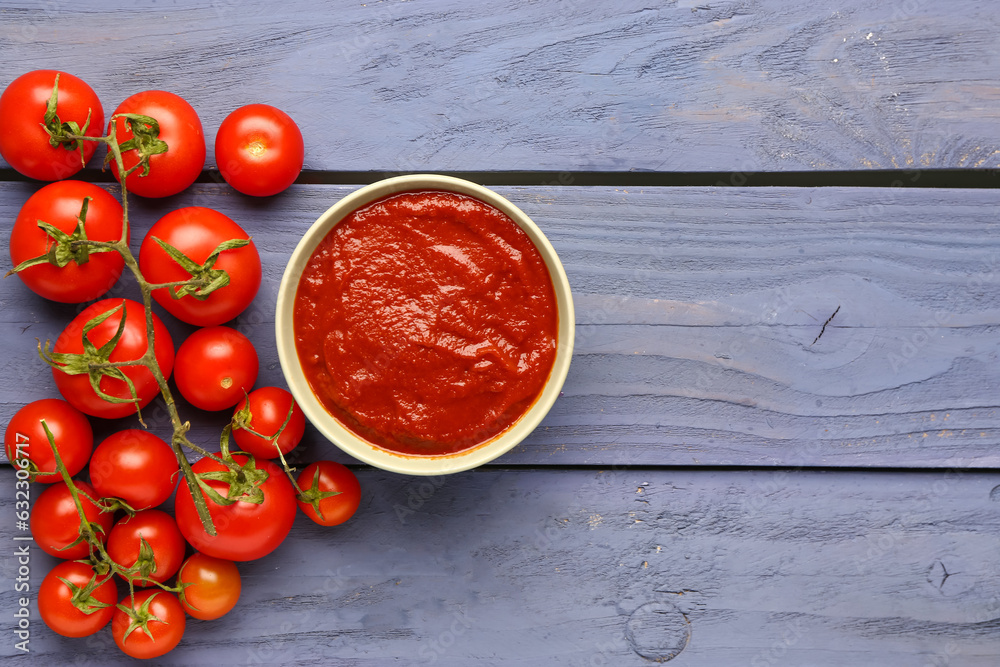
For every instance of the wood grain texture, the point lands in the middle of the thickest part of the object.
(612, 567)
(735, 86)
(699, 314)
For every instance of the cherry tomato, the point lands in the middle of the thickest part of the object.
(215, 586)
(131, 346)
(159, 530)
(245, 530)
(55, 523)
(136, 466)
(197, 232)
(87, 274)
(25, 438)
(326, 476)
(24, 143)
(259, 150)
(269, 408)
(163, 617)
(59, 610)
(215, 367)
(172, 171)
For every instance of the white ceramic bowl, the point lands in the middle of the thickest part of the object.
(336, 432)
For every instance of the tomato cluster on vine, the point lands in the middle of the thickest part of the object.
(102, 510)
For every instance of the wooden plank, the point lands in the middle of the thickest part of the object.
(700, 323)
(571, 86)
(612, 567)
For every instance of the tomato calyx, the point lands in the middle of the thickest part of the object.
(82, 597)
(33, 470)
(114, 504)
(242, 420)
(66, 134)
(140, 617)
(145, 140)
(204, 278)
(145, 563)
(244, 485)
(243, 482)
(66, 248)
(313, 496)
(93, 361)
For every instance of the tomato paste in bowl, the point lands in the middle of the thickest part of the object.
(425, 324)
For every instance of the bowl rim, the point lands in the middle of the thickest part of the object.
(345, 439)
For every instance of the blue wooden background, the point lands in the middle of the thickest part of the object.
(716, 486)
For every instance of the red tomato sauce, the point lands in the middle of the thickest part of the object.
(426, 322)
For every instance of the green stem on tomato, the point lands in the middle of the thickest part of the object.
(179, 441)
(101, 561)
(86, 530)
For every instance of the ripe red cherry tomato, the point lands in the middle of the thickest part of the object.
(215, 367)
(160, 532)
(56, 605)
(180, 128)
(24, 143)
(325, 476)
(88, 274)
(197, 232)
(131, 346)
(269, 408)
(259, 150)
(245, 530)
(165, 621)
(215, 586)
(55, 523)
(136, 466)
(25, 438)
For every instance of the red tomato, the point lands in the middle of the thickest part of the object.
(136, 466)
(24, 143)
(197, 232)
(259, 150)
(214, 586)
(245, 530)
(215, 367)
(25, 438)
(55, 522)
(88, 274)
(269, 408)
(131, 346)
(330, 476)
(163, 617)
(180, 128)
(159, 530)
(59, 609)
